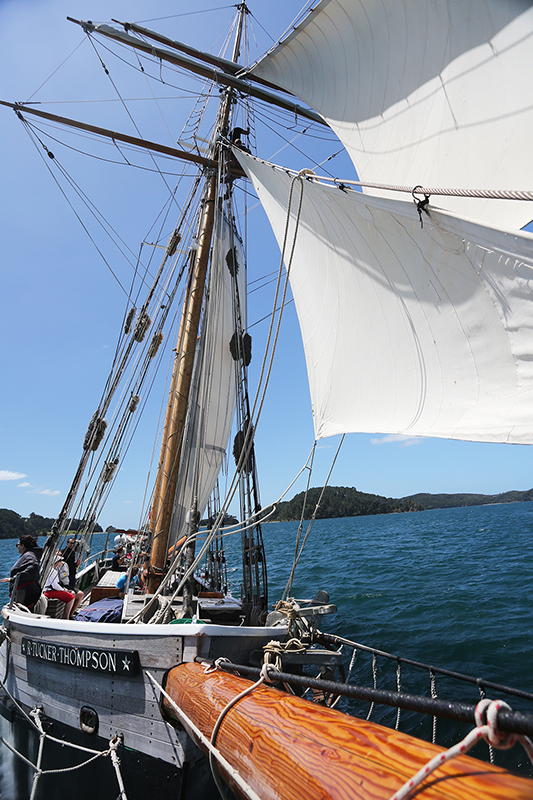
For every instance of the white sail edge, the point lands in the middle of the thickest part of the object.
(424, 331)
(426, 94)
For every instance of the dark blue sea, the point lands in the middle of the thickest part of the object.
(449, 587)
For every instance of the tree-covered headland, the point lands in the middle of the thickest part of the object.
(13, 526)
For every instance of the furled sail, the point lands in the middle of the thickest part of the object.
(422, 93)
(213, 394)
(407, 329)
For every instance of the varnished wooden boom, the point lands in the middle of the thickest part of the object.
(287, 748)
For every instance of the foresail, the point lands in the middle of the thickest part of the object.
(407, 329)
(422, 93)
(212, 410)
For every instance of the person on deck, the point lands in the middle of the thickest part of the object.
(118, 560)
(72, 562)
(122, 581)
(55, 589)
(145, 572)
(27, 567)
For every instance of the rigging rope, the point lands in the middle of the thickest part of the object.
(266, 369)
(329, 638)
(313, 518)
(488, 194)
(309, 466)
(488, 731)
(189, 724)
(36, 722)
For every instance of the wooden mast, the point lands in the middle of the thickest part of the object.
(178, 400)
(171, 448)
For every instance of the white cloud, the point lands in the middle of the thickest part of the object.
(410, 442)
(49, 492)
(402, 440)
(6, 475)
(24, 485)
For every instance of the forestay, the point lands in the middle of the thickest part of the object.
(422, 93)
(407, 330)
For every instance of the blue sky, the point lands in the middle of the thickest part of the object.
(61, 306)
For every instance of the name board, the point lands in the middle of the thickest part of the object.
(111, 662)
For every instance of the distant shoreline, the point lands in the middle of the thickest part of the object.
(337, 502)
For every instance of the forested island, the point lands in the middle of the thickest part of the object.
(338, 501)
(13, 526)
(428, 501)
(342, 501)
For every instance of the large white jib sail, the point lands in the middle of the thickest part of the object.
(407, 329)
(435, 93)
(410, 330)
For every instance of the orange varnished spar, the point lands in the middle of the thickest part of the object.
(287, 748)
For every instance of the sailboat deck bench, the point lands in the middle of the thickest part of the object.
(106, 586)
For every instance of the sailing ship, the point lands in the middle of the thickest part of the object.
(412, 287)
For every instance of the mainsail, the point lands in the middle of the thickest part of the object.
(414, 107)
(406, 329)
(214, 389)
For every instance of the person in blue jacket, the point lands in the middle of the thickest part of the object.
(134, 581)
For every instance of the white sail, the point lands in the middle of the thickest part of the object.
(434, 93)
(212, 410)
(407, 330)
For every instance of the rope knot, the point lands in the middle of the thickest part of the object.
(265, 671)
(208, 668)
(489, 709)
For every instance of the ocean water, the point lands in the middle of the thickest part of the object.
(450, 588)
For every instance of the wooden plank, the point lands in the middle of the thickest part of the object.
(161, 740)
(101, 592)
(145, 731)
(287, 748)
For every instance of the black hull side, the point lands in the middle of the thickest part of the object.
(143, 777)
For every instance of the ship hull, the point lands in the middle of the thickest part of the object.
(94, 678)
(143, 775)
